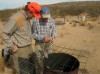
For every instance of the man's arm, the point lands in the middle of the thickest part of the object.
(54, 31)
(8, 31)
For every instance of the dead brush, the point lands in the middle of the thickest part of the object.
(93, 19)
(82, 23)
(74, 25)
(90, 26)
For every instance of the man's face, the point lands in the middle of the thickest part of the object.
(30, 14)
(45, 19)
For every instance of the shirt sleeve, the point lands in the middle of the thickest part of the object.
(54, 31)
(9, 29)
(35, 33)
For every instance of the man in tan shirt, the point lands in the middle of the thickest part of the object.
(17, 36)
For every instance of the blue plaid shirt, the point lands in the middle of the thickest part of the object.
(41, 28)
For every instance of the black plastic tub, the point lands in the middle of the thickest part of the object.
(62, 63)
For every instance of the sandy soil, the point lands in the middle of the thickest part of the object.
(83, 39)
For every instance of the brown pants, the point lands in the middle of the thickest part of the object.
(21, 60)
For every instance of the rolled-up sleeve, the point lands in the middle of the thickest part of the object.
(8, 31)
(54, 31)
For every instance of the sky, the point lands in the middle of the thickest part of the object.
(5, 4)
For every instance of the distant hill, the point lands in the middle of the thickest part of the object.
(63, 9)
(75, 8)
(78, 3)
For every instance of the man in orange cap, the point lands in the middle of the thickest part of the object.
(17, 36)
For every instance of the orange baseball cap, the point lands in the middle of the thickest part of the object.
(35, 8)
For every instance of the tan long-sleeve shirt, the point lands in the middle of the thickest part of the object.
(17, 30)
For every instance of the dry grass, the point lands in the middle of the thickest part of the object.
(93, 19)
(82, 23)
(90, 26)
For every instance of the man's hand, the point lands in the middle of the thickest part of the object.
(47, 39)
(14, 49)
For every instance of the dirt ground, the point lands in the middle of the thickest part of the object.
(80, 38)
